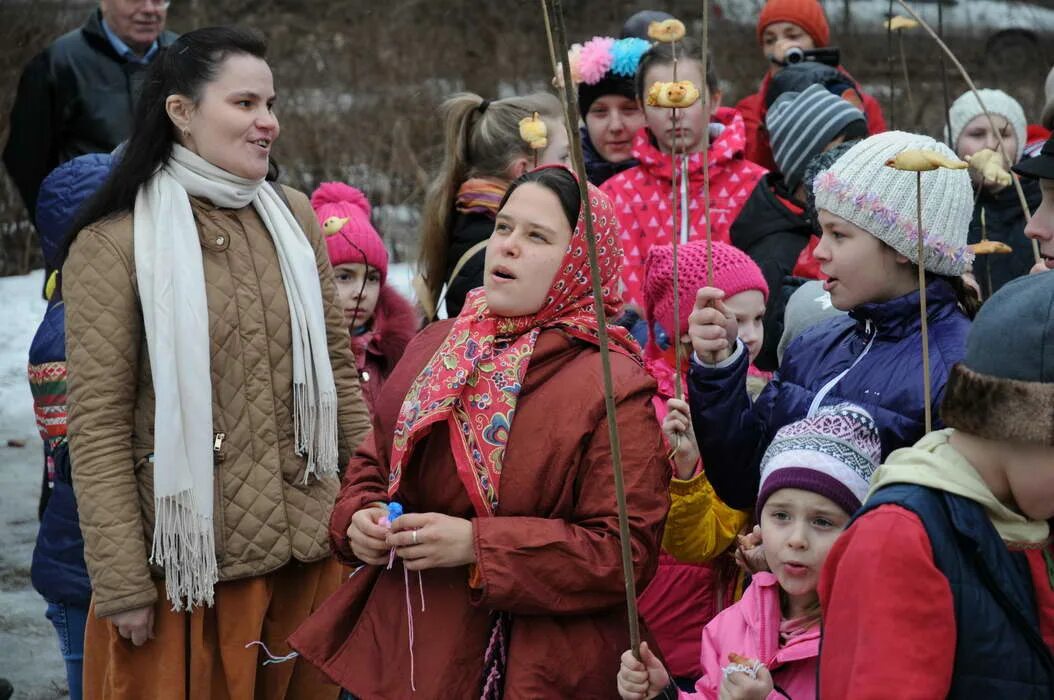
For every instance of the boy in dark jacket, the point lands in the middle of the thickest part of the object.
(772, 227)
(58, 570)
(944, 583)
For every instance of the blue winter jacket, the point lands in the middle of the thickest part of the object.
(999, 648)
(58, 571)
(872, 358)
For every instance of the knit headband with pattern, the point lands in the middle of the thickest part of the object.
(833, 453)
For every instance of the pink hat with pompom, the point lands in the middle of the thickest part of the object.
(344, 215)
(734, 272)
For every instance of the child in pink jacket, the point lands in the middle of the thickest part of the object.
(815, 475)
(697, 576)
(641, 195)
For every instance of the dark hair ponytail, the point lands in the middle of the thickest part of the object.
(183, 68)
(968, 298)
(557, 180)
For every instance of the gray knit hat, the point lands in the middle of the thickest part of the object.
(1004, 387)
(807, 306)
(801, 124)
(966, 108)
(861, 188)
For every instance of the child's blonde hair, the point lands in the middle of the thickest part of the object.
(481, 138)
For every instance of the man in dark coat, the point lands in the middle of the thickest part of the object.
(76, 96)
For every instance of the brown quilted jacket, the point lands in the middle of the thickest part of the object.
(264, 514)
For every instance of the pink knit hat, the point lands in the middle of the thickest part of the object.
(734, 272)
(356, 241)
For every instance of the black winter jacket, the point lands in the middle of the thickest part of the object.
(773, 236)
(1005, 222)
(74, 97)
(469, 229)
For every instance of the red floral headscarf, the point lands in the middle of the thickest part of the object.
(473, 381)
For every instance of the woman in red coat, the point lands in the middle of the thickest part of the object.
(510, 537)
(783, 24)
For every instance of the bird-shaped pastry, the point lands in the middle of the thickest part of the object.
(666, 31)
(921, 160)
(989, 165)
(901, 22)
(677, 95)
(990, 247)
(333, 224)
(533, 131)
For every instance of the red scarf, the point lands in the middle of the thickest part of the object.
(474, 379)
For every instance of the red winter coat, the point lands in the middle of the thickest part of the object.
(641, 196)
(753, 110)
(378, 350)
(551, 557)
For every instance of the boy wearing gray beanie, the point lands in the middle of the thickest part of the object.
(948, 565)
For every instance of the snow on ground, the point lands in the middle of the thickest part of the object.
(29, 653)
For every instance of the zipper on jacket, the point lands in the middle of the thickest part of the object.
(217, 446)
(826, 389)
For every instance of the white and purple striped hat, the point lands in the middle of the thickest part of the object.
(833, 453)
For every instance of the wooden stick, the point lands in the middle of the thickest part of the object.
(553, 61)
(675, 219)
(973, 88)
(890, 70)
(944, 77)
(926, 389)
(706, 146)
(555, 17)
(907, 77)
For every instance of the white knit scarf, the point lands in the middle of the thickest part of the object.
(171, 281)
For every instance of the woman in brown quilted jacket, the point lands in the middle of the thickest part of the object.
(211, 389)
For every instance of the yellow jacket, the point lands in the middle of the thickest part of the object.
(699, 526)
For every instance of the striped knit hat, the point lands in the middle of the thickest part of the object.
(862, 189)
(832, 453)
(801, 124)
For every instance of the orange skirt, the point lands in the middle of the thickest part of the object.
(202, 654)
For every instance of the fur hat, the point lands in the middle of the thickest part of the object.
(966, 108)
(807, 14)
(357, 240)
(833, 453)
(734, 272)
(1004, 388)
(862, 189)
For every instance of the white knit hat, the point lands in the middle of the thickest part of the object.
(964, 109)
(861, 188)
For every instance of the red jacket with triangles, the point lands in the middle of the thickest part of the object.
(641, 195)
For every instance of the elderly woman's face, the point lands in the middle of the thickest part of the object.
(524, 253)
(233, 125)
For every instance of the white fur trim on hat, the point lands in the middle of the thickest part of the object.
(862, 189)
(966, 108)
